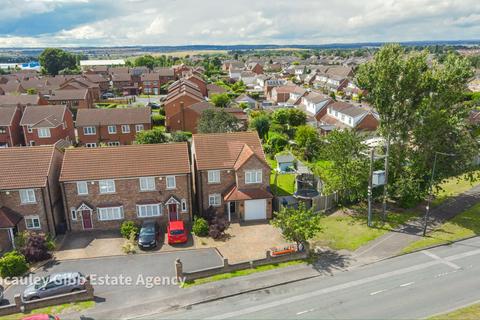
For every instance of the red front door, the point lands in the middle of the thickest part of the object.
(87, 219)
(172, 210)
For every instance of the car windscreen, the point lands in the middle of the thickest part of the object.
(176, 232)
(147, 231)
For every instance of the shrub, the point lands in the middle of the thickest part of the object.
(129, 246)
(200, 227)
(13, 264)
(21, 239)
(158, 119)
(128, 228)
(36, 248)
(217, 227)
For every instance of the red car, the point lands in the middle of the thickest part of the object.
(176, 232)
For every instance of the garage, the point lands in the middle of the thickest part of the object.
(256, 209)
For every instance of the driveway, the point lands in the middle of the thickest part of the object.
(139, 268)
(245, 241)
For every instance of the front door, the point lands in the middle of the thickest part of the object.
(173, 213)
(87, 219)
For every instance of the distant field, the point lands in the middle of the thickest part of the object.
(182, 54)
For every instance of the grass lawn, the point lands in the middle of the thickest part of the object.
(351, 231)
(452, 187)
(54, 310)
(285, 184)
(463, 225)
(468, 313)
(240, 273)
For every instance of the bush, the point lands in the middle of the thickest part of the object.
(13, 264)
(217, 227)
(158, 119)
(36, 248)
(200, 227)
(128, 228)
(21, 240)
(129, 247)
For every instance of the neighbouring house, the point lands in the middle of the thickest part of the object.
(72, 98)
(100, 79)
(201, 84)
(232, 175)
(79, 83)
(255, 67)
(10, 129)
(150, 83)
(123, 82)
(214, 89)
(165, 75)
(103, 187)
(281, 94)
(342, 115)
(22, 100)
(30, 197)
(245, 99)
(44, 125)
(270, 84)
(181, 94)
(315, 104)
(112, 127)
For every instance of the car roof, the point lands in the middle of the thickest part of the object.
(176, 225)
(63, 275)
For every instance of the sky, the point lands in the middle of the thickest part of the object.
(40, 23)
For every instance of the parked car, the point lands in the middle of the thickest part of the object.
(149, 233)
(58, 283)
(41, 317)
(153, 105)
(107, 95)
(176, 232)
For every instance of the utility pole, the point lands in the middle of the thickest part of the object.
(370, 187)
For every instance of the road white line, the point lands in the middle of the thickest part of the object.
(444, 261)
(407, 284)
(304, 311)
(377, 292)
(343, 286)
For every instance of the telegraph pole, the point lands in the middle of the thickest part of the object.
(370, 187)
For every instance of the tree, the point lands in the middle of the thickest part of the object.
(146, 61)
(217, 121)
(155, 135)
(296, 117)
(180, 136)
(221, 100)
(13, 264)
(32, 91)
(308, 141)
(297, 225)
(53, 60)
(262, 125)
(277, 142)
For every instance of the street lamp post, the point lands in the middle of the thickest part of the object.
(370, 187)
(430, 189)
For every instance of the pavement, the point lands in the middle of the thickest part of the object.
(394, 242)
(107, 273)
(410, 286)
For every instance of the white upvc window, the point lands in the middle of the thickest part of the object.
(110, 213)
(214, 200)
(27, 196)
(138, 127)
(43, 132)
(91, 145)
(106, 186)
(213, 176)
(149, 210)
(82, 187)
(147, 184)
(73, 212)
(171, 182)
(113, 143)
(184, 205)
(112, 129)
(125, 128)
(253, 176)
(89, 131)
(32, 222)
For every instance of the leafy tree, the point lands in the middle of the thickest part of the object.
(146, 61)
(262, 125)
(308, 141)
(13, 264)
(36, 248)
(296, 117)
(276, 142)
(155, 135)
(180, 136)
(221, 100)
(298, 225)
(32, 91)
(216, 121)
(53, 60)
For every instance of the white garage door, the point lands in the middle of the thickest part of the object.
(255, 209)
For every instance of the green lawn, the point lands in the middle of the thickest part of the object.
(285, 184)
(240, 273)
(351, 231)
(462, 226)
(54, 310)
(468, 313)
(452, 187)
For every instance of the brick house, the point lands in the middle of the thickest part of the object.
(22, 100)
(232, 175)
(201, 84)
(342, 115)
(102, 82)
(255, 67)
(30, 197)
(181, 95)
(165, 75)
(113, 127)
(72, 98)
(10, 129)
(150, 83)
(43, 125)
(102, 187)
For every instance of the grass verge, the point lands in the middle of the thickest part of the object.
(464, 225)
(240, 273)
(453, 187)
(468, 313)
(54, 310)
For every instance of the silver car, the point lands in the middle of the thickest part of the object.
(58, 283)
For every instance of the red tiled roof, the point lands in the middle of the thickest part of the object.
(142, 160)
(221, 150)
(6, 115)
(89, 117)
(25, 167)
(236, 194)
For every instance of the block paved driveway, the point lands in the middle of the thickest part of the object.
(137, 267)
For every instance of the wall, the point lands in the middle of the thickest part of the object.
(227, 180)
(102, 135)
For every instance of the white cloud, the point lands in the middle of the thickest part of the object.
(163, 22)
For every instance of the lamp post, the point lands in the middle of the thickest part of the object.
(430, 191)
